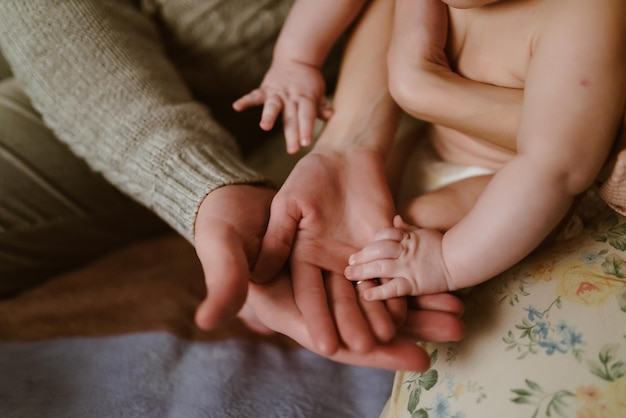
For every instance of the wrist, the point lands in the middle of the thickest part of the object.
(292, 52)
(433, 274)
(226, 200)
(368, 127)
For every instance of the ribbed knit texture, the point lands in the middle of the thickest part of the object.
(118, 84)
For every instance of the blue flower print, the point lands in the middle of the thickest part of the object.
(571, 338)
(552, 346)
(562, 327)
(538, 333)
(533, 313)
(441, 408)
(541, 328)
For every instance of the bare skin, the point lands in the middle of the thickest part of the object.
(445, 207)
(317, 306)
(294, 85)
(573, 91)
(312, 224)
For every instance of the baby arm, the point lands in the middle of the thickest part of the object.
(574, 100)
(423, 84)
(294, 84)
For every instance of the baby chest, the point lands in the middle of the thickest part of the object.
(493, 44)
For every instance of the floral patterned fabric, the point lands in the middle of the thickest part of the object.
(547, 338)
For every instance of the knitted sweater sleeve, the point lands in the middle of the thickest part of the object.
(97, 72)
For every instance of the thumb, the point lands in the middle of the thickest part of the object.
(277, 242)
(226, 274)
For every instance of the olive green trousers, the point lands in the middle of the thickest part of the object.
(55, 212)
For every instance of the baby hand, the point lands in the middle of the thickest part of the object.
(411, 257)
(298, 91)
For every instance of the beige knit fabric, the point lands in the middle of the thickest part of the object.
(119, 81)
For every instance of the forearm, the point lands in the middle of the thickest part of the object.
(520, 207)
(425, 86)
(365, 114)
(480, 110)
(98, 74)
(312, 28)
(573, 103)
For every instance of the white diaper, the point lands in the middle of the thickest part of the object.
(425, 171)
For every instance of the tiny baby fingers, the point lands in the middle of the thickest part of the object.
(271, 109)
(254, 98)
(385, 249)
(372, 270)
(394, 288)
(389, 233)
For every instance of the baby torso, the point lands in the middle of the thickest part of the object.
(492, 45)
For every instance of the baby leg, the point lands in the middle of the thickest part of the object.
(443, 208)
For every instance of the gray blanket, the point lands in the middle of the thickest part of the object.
(159, 375)
(117, 339)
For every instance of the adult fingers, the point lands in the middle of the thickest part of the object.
(226, 272)
(352, 325)
(398, 354)
(306, 120)
(273, 305)
(277, 241)
(433, 326)
(290, 125)
(381, 321)
(397, 307)
(394, 288)
(374, 269)
(444, 302)
(385, 249)
(311, 299)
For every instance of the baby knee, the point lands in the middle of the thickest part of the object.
(431, 211)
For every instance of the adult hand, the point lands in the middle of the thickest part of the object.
(434, 318)
(229, 227)
(331, 204)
